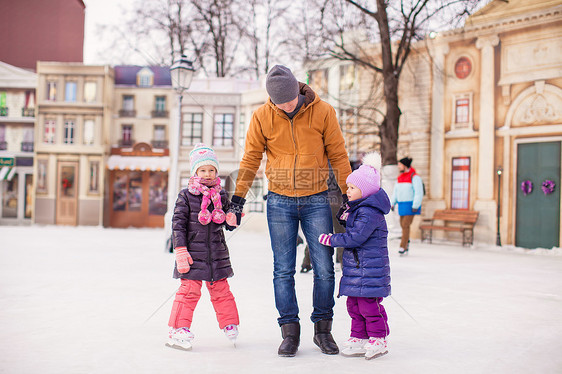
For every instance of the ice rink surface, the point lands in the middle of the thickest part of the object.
(94, 300)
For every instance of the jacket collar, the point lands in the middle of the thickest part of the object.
(379, 200)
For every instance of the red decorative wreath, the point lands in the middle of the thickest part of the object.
(66, 183)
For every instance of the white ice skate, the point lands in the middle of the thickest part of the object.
(231, 332)
(403, 252)
(180, 338)
(354, 347)
(376, 347)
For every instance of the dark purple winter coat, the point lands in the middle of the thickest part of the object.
(205, 243)
(365, 264)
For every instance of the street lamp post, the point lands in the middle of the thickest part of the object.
(181, 73)
(498, 237)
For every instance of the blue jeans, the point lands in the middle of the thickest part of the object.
(315, 216)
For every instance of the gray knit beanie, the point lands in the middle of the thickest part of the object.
(281, 85)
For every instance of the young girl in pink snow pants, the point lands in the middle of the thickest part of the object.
(201, 251)
(365, 265)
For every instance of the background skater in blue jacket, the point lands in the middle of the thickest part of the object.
(366, 268)
(408, 194)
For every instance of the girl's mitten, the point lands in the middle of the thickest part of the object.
(183, 259)
(324, 239)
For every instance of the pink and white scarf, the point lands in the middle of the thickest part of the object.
(211, 192)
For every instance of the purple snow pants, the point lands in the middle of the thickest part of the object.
(368, 317)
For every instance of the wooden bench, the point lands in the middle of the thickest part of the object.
(452, 220)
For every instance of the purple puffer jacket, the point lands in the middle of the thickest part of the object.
(365, 264)
(205, 243)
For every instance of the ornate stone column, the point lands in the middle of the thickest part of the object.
(437, 148)
(486, 132)
(485, 203)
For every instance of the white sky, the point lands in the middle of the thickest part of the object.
(98, 13)
(106, 13)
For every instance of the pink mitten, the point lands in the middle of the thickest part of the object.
(183, 259)
(324, 239)
(231, 219)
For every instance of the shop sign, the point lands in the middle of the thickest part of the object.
(6, 161)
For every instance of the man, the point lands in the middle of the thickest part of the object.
(335, 204)
(299, 133)
(408, 193)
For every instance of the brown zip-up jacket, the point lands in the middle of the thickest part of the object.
(297, 150)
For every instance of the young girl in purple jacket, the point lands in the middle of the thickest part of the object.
(201, 251)
(365, 266)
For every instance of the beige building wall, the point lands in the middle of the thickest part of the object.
(359, 102)
(17, 121)
(95, 108)
(212, 97)
(515, 92)
(144, 119)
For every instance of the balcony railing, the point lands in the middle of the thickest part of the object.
(27, 146)
(3, 145)
(126, 142)
(3, 111)
(127, 113)
(160, 144)
(28, 112)
(159, 114)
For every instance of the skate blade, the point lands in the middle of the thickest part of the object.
(179, 347)
(376, 356)
(353, 354)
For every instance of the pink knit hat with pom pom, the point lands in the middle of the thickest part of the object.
(368, 176)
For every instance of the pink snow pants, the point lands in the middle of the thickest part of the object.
(188, 295)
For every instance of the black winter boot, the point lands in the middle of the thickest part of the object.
(291, 333)
(323, 337)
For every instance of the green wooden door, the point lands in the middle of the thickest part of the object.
(538, 214)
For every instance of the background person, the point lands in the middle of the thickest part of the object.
(408, 194)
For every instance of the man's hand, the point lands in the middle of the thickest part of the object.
(234, 214)
(325, 239)
(341, 211)
(183, 259)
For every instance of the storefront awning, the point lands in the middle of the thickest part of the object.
(7, 173)
(154, 163)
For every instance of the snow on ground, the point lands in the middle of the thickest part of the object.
(86, 300)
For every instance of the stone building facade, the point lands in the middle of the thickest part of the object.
(17, 121)
(212, 114)
(74, 106)
(496, 123)
(137, 168)
(357, 95)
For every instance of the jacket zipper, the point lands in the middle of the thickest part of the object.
(356, 257)
(296, 156)
(209, 257)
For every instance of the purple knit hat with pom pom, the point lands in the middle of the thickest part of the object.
(367, 177)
